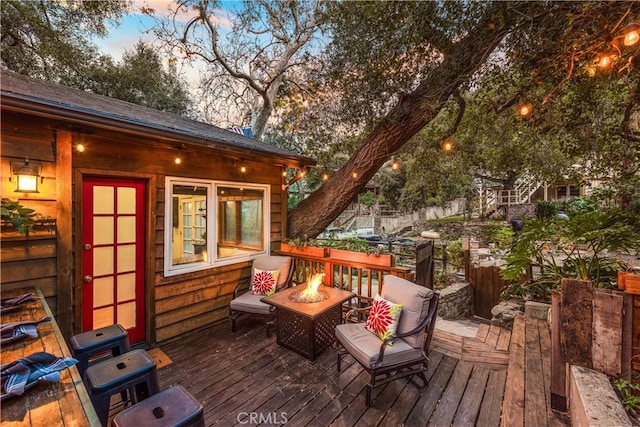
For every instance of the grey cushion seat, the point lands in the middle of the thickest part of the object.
(250, 303)
(364, 346)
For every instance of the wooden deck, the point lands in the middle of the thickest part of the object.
(247, 379)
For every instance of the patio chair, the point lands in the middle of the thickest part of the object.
(398, 354)
(245, 301)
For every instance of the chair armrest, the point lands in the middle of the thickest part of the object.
(242, 286)
(355, 310)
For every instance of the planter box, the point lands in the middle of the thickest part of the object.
(629, 282)
(310, 251)
(361, 257)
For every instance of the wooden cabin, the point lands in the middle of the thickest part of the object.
(143, 218)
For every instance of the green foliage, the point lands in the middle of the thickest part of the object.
(500, 234)
(578, 205)
(141, 78)
(353, 244)
(576, 248)
(546, 209)
(455, 253)
(20, 217)
(51, 39)
(628, 392)
(368, 199)
(293, 200)
(440, 281)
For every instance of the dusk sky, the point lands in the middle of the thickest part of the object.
(137, 26)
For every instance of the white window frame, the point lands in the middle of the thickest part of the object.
(212, 225)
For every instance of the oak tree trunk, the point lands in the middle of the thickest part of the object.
(409, 116)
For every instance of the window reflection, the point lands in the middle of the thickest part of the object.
(189, 233)
(240, 221)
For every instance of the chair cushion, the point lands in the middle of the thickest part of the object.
(415, 301)
(250, 303)
(383, 317)
(365, 347)
(272, 262)
(264, 281)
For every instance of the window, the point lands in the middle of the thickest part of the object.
(232, 226)
(240, 221)
(565, 191)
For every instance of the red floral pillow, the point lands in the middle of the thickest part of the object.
(383, 317)
(264, 282)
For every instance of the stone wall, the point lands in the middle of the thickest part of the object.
(523, 211)
(456, 301)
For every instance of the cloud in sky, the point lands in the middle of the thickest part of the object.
(170, 8)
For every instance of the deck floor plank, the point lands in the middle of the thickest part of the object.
(410, 395)
(535, 411)
(513, 403)
(492, 400)
(245, 374)
(450, 400)
(469, 407)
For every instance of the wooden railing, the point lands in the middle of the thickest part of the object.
(361, 277)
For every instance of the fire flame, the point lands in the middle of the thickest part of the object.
(311, 291)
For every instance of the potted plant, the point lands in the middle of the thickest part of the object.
(303, 246)
(17, 217)
(358, 250)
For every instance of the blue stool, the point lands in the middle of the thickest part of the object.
(172, 407)
(87, 344)
(134, 371)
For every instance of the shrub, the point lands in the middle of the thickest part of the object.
(579, 249)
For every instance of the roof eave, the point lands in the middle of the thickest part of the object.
(19, 104)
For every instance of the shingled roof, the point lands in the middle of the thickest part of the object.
(39, 97)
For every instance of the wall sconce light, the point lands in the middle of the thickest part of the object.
(27, 176)
(80, 148)
(243, 167)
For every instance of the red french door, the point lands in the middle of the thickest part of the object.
(113, 229)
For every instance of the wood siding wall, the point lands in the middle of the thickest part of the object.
(174, 304)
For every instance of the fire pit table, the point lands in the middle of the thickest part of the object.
(307, 327)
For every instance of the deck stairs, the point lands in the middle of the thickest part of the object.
(524, 187)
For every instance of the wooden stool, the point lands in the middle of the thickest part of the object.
(86, 344)
(133, 370)
(172, 407)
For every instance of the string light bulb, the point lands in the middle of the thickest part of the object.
(604, 60)
(80, 148)
(178, 159)
(354, 175)
(325, 176)
(631, 35)
(447, 145)
(395, 165)
(525, 109)
(243, 167)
